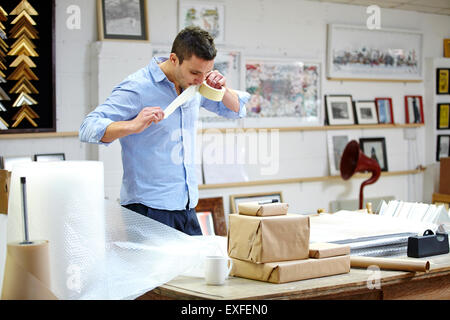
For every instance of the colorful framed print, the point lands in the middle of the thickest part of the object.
(209, 16)
(384, 110)
(357, 53)
(339, 110)
(375, 148)
(414, 109)
(284, 92)
(443, 146)
(442, 81)
(443, 116)
(122, 20)
(366, 112)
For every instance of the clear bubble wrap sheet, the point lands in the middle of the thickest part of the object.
(98, 249)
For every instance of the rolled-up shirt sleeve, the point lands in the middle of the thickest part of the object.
(220, 109)
(122, 105)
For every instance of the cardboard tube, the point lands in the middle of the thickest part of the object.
(27, 272)
(211, 93)
(390, 264)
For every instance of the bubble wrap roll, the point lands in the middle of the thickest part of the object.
(65, 203)
(99, 249)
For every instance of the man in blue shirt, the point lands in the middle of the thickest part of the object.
(158, 155)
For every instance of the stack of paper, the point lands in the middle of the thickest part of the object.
(423, 212)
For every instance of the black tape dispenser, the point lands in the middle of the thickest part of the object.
(429, 244)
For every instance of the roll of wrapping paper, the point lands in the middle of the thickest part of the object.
(390, 264)
(27, 272)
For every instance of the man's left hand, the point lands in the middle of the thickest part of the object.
(216, 80)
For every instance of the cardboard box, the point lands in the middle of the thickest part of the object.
(326, 250)
(268, 239)
(5, 179)
(287, 271)
(444, 180)
(262, 210)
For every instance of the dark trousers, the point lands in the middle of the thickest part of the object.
(182, 220)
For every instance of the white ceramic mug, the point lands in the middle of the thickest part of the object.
(217, 269)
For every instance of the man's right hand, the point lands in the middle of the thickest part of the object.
(146, 117)
(143, 120)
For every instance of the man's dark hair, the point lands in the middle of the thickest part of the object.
(194, 41)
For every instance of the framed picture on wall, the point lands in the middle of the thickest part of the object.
(443, 146)
(27, 68)
(269, 197)
(284, 92)
(122, 20)
(384, 110)
(215, 207)
(443, 116)
(375, 148)
(357, 53)
(442, 81)
(366, 112)
(209, 16)
(339, 110)
(46, 157)
(414, 109)
(447, 48)
(336, 142)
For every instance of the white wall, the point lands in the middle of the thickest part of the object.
(261, 28)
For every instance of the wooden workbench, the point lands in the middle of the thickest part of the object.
(434, 284)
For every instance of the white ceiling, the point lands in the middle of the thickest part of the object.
(427, 6)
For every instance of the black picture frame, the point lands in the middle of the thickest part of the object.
(365, 112)
(442, 81)
(119, 13)
(339, 110)
(49, 157)
(443, 116)
(443, 141)
(44, 70)
(372, 147)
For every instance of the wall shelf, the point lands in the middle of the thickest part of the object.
(316, 128)
(308, 179)
(42, 135)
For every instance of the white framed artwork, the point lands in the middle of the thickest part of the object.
(209, 16)
(284, 92)
(357, 53)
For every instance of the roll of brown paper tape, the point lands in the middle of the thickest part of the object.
(27, 272)
(211, 93)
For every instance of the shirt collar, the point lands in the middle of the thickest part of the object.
(155, 70)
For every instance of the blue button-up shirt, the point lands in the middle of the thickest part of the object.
(159, 163)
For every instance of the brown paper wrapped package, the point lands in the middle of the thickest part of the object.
(263, 210)
(287, 271)
(268, 239)
(325, 250)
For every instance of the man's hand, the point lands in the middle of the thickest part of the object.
(216, 80)
(143, 120)
(146, 117)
